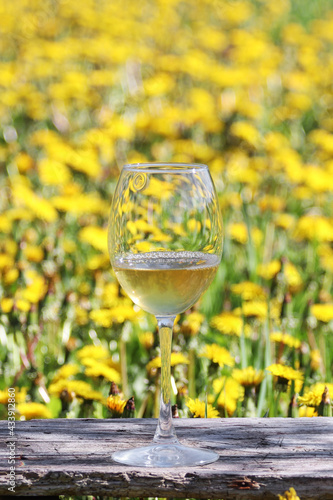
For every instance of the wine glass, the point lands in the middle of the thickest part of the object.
(165, 245)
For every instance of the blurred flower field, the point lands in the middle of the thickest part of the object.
(244, 86)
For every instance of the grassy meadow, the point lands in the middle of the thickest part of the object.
(244, 86)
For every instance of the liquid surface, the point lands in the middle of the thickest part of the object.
(166, 283)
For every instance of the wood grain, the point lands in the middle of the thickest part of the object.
(259, 458)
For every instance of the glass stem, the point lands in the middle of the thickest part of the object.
(165, 433)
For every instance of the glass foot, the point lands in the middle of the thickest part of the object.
(165, 455)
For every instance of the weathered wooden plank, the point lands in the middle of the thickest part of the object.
(63, 456)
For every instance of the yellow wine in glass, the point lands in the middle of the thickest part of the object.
(165, 245)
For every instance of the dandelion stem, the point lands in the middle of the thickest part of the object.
(276, 402)
(123, 366)
(191, 374)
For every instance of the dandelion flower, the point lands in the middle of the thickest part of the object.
(218, 354)
(238, 232)
(95, 236)
(33, 253)
(6, 304)
(197, 409)
(270, 270)
(102, 317)
(20, 395)
(293, 278)
(254, 308)
(116, 405)
(230, 324)
(322, 312)
(229, 392)
(285, 373)
(248, 290)
(192, 323)
(146, 339)
(248, 377)
(315, 358)
(314, 228)
(79, 388)
(33, 410)
(313, 395)
(101, 370)
(289, 495)
(286, 339)
(65, 372)
(93, 352)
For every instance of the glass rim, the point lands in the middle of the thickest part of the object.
(166, 167)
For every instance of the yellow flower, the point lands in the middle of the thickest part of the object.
(218, 354)
(81, 204)
(248, 290)
(24, 162)
(53, 172)
(6, 304)
(33, 253)
(6, 261)
(5, 223)
(285, 221)
(110, 295)
(238, 232)
(81, 315)
(36, 288)
(69, 246)
(273, 203)
(159, 84)
(286, 339)
(270, 270)
(102, 317)
(99, 369)
(93, 352)
(248, 377)
(326, 257)
(315, 358)
(146, 339)
(254, 308)
(40, 207)
(197, 408)
(192, 323)
(322, 312)
(116, 405)
(285, 373)
(78, 388)
(314, 227)
(312, 396)
(230, 324)
(10, 246)
(293, 278)
(65, 372)
(100, 261)
(246, 131)
(11, 276)
(289, 495)
(33, 410)
(123, 312)
(96, 237)
(317, 179)
(19, 395)
(307, 411)
(177, 358)
(229, 391)
(22, 305)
